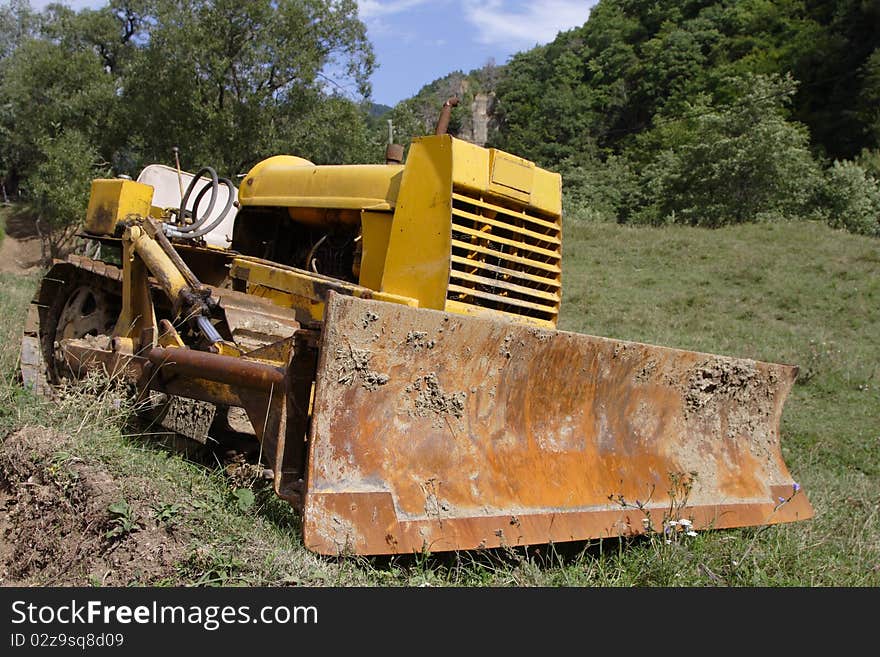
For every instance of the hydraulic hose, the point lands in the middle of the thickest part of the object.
(198, 231)
(198, 228)
(196, 222)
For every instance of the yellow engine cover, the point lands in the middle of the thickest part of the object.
(112, 200)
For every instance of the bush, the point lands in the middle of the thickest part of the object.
(59, 188)
(851, 199)
(869, 160)
(593, 190)
(733, 164)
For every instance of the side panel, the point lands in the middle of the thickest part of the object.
(375, 233)
(417, 263)
(438, 431)
(111, 200)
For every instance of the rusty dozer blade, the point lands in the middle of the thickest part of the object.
(432, 431)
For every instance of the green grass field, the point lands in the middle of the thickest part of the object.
(796, 293)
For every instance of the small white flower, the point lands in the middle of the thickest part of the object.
(691, 533)
(668, 542)
(673, 523)
(684, 522)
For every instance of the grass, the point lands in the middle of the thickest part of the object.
(799, 293)
(4, 211)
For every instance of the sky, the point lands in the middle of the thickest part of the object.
(419, 41)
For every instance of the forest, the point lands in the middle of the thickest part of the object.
(695, 112)
(682, 111)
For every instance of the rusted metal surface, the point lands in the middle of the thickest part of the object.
(223, 369)
(445, 115)
(188, 417)
(81, 355)
(37, 346)
(440, 432)
(254, 322)
(274, 396)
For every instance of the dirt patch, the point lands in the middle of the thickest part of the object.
(734, 396)
(20, 249)
(718, 379)
(419, 340)
(354, 365)
(646, 372)
(368, 318)
(188, 417)
(430, 399)
(65, 521)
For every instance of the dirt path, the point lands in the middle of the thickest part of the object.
(20, 250)
(69, 521)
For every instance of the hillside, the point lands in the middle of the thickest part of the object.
(691, 112)
(473, 120)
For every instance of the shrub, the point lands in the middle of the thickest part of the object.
(733, 164)
(59, 188)
(851, 198)
(593, 190)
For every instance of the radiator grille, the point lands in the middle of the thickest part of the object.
(505, 259)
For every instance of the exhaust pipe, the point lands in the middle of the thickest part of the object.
(445, 113)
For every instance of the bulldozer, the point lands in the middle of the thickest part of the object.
(386, 336)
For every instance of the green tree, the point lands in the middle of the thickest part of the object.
(228, 82)
(851, 198)
(17, 22)
(232, 82)
(58, 188)
(46, 87)
(56, 99)
(730, 164)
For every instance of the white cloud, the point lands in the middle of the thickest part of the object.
(524, 23)
(369, 9)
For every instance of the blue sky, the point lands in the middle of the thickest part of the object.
(418, 41)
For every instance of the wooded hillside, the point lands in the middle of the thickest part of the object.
(685, 111)
(701, 112)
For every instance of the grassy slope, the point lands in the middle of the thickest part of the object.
(794, 293)
(797, 293)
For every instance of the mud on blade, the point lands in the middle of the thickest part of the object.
(442, 432)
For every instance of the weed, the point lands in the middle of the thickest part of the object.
(244, 498)
(168, 514)
(58, 470)
(123, 520)
(674, 521)
(212, 567)
(782, 501)
(822, 357)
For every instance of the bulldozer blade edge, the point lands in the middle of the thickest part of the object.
(436, 431)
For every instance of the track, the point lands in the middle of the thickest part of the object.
(75, 299)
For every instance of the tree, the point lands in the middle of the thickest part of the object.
(730, 164)
(17, 22)
(47, 87)
(851, 198)
(230, 82)
(58, 188)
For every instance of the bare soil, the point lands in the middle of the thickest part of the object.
(56, 523)
(20, 249)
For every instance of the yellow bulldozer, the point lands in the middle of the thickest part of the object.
(386, 335)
